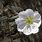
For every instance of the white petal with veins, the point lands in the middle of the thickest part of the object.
(24, 14)
(37, 16)
(21, 26)
(29, 12)
(19, 20)
(34, 28)
(27, 31)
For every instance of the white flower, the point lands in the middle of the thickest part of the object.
(28, 22)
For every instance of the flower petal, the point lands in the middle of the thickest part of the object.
(37, 16)
(24, 14)
(20, 26)
(27, 31)
(38, 22)
(19, 20)
(29, 12)
(34, 28)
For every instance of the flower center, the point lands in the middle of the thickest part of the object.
(29, 20)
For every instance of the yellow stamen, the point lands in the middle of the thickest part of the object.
(29, 20)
